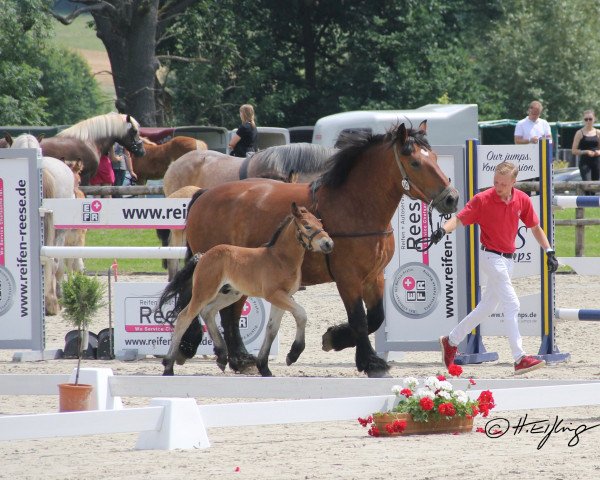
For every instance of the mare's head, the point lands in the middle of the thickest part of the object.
(422, 177)
(309, 231)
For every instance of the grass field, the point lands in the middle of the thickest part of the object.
(77, 35)
(564, 244)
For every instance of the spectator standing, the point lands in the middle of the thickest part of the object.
(121, 163)
(532, 128)
(586, 144)
(243, 140)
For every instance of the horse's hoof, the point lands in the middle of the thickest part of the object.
(222, 365)
(248, 370)
(266, 373)
(243, 364)
(168, 372)
(180, 359)
(327, 340)
(378, 374)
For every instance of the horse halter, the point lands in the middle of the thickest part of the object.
(438, 198)
(306, 240)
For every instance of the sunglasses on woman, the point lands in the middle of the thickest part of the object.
(588, 119)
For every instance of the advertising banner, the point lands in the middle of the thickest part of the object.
(423, 289)
(21, 308)
(140, 327)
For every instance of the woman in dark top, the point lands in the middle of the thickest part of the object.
(243, 140)
(587, 144)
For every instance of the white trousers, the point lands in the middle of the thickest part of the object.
(499, 290)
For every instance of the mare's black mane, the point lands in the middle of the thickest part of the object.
(353, 144)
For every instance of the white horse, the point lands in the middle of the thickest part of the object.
(57, 182)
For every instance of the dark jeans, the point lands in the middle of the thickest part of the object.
(589, 167)
(119, 179)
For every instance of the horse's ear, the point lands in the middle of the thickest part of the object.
(295, 209)
(423, 126)
(8, 138)
(402, 133)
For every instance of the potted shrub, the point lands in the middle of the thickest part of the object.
(82, 297)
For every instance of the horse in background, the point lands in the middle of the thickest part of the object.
(98, 134)
(225, 273)
(57, 182)
(153, 165)
(206, 169)
(75, 237)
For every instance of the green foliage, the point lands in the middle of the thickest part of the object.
(40, 85)
(82, 297)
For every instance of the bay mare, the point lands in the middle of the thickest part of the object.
(271, 272)
(355, 199)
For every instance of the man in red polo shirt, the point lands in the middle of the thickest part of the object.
(497, 211)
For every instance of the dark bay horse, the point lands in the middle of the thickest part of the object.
(356, 199)
(271, 272)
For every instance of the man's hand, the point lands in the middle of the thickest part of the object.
(552, 261)
(438, 235)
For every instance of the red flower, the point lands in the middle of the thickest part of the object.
(365, 421)
(441, 377)
(407, 392)
(474, 410)
(397, 426)
(480, 430)
(426, 403)
(236, 469)
(455, 370)
(472, 382)
(447, 409)
(486, 402)
(373, 431)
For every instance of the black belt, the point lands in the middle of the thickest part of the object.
(505, 255)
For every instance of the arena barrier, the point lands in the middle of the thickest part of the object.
(582, 265)
(169, 423)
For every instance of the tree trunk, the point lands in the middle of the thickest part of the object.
(129, 35)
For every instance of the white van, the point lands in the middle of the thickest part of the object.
(446, 124)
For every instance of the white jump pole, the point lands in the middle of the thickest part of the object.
(113, 252)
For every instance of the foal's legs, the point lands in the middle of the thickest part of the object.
(282, 301)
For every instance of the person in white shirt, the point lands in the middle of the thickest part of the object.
(532, 128)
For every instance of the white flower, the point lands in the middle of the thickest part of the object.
(423, 392)
(396, 389)
(446, 385)
(411, 382)
(432, 383)
(444, 395)
(461, 396)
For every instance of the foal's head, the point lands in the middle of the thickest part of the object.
(309, 231)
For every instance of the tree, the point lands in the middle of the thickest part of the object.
(40, 84)
(131, 31)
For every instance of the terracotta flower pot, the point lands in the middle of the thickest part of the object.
(73, 398)
(456, 424)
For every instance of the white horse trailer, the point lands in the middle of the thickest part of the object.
(446, 124)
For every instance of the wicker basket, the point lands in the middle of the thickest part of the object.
(453, 425)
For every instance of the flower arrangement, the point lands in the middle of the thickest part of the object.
(434, 401)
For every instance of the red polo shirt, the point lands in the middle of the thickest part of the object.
(499, 221)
